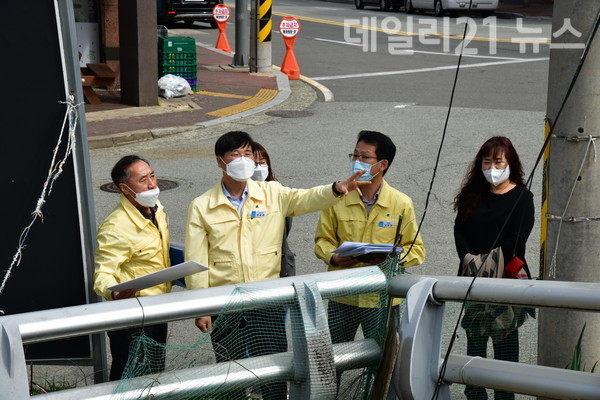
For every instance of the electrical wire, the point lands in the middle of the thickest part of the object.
(528, 185)
(552, 269)
(441, 146)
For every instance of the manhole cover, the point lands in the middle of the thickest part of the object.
(289, 114)
(163, 184)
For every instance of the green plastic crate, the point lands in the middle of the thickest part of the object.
(177, 69)
(170, 62)
(184, 75)
(183, 56)
(176, 44)
(187, 75)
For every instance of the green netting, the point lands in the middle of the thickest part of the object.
(490, 331)
(233, 362)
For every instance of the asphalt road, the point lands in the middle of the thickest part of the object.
(370, 55)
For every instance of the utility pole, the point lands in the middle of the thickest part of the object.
(260, 36)
(571, 202)
(242, 29)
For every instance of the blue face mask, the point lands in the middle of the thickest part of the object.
(359, 166)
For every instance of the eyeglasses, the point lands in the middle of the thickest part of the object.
(237, 154)
(354, 157)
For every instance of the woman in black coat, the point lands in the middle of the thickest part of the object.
(494, 210)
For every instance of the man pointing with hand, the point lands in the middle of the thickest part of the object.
(236, 229)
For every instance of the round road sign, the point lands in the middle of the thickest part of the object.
(289, 27)
(221, 13)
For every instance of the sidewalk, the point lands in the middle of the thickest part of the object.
(224, 93)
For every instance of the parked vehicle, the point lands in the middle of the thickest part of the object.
(384, 5)
(441, 7)
(170, 11)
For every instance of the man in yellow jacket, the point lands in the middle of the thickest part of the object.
(133, 241)
(370, 218)
(236, 229)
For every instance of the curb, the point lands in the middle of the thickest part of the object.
(142, 135)
(327, 94)
(123, 138)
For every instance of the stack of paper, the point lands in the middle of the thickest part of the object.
(365, 252)
(161, 276)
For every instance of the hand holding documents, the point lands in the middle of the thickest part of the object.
(365, 252)
(162, 276)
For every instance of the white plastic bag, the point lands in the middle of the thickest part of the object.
(173, 86)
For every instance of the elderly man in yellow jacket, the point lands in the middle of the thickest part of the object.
(236, 229)
(370, 218)
(133, 241)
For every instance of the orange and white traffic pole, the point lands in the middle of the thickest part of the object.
(289, 27)
(221, 14)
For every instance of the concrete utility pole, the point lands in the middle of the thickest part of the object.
(260, 36)
(242, 31)
(572, 195)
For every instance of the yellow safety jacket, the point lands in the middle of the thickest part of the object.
(130, 246)
(348, 221)
(245, 247)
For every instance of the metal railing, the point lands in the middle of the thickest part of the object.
(309, 329)
(419, 356)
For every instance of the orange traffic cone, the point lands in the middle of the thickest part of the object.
(289, 27)
(221, 14)
(222, 42)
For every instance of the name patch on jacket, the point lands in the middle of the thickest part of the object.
(257, 214)
(386, 224)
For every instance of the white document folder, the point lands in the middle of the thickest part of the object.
(164, 275)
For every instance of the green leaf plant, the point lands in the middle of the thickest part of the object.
(577, 363)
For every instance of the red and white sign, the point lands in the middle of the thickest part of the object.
(221, 13)
(289, 27)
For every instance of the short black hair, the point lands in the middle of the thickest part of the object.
(231, 141)
(385, 149)
(120, 171)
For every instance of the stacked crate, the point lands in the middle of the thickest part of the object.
(177, 56)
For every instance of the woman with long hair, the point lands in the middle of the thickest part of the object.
(264, 172)
(494, 217)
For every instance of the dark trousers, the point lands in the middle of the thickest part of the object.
(507, 350)
(251, 334)
(153, 356)
(344, 321)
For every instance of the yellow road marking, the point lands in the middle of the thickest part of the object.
(217, 94)
(403, 33)
(263, 96)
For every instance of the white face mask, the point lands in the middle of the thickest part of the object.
(147, 198)
(496, 176)
(261, 171)
(240, 169)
